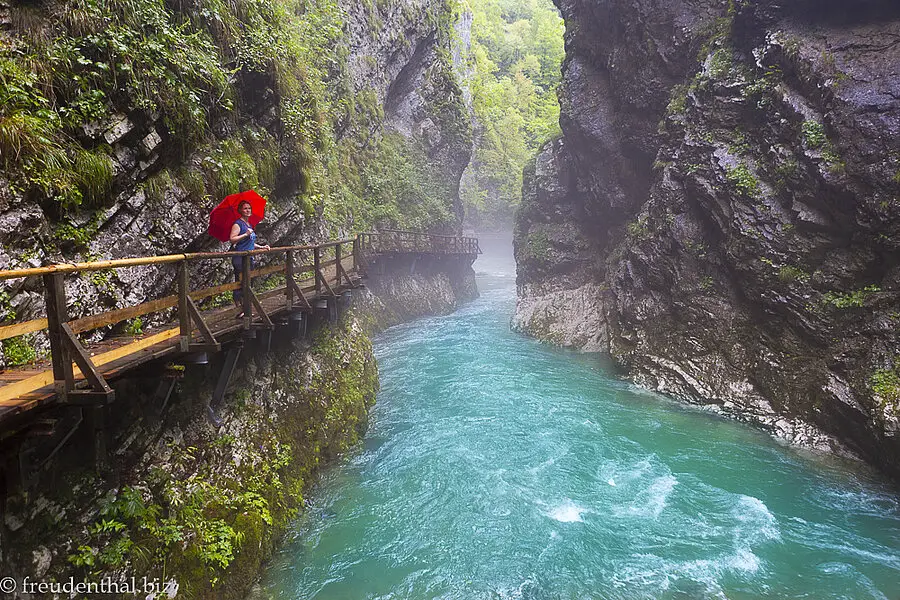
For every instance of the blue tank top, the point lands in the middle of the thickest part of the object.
(248, 243)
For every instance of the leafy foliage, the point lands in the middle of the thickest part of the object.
(744, 180)
(517, 50)
(854, 299)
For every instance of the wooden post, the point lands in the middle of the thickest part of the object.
(356, 254)
(317, 261)
(55, 294)
(338, 266)
(289, 276)
(245, 290)
(184, 315)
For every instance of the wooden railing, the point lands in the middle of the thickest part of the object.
(330, 267)
(391, 241)
(323, 270)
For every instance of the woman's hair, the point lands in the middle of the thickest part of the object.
(242, 203)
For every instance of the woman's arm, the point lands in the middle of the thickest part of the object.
(236, 236)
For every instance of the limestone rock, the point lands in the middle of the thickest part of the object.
(728, 180)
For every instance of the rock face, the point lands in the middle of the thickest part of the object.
(722, 214)
(392, 72)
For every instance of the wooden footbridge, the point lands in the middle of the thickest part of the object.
(301, 280)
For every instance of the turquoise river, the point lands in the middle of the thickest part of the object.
(498, 467)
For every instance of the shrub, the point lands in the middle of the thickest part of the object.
(743, 179)
(851, 299)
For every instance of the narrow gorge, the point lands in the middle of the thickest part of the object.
(700, 197)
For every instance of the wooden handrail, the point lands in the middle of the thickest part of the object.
(333, 269)
(362, 243)
(153, 260)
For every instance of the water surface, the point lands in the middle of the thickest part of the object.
(496, 467)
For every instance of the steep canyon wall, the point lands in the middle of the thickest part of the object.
(722, 213)
(123, 124)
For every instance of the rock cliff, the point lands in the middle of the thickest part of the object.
(123, 124)
(722, 213)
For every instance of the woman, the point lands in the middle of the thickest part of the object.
(242, 238)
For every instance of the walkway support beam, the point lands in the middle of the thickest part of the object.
(55, 294)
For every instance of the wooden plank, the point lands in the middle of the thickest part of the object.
(12, 391)
(123, 314)
(246, 292)
(317, 260)
(204, 347)
(19, 374)
(304, 303)
(84, 362)
(289, 279)
(184, 314)
(260, 310)
(201, 324)
(9, 331)
(55, 301)
(212, 291)
(267, 271)
(146, 260)
(91, 266)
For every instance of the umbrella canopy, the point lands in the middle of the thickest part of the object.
(225, 214)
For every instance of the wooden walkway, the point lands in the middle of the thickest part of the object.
(306, 277)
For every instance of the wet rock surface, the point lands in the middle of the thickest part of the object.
(729, 184)
(392, 78)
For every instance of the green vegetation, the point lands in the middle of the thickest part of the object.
(678, 100)
(886, 388)
(744, 180)
(854, 299)
(814, 134)
(638, 229)
(199, 71)
(790, 274)
(886, 383)
(135, 327)
(537, 246)
(19, 350)
(517, 50)
(815, 138)
(212, 508)
(721, 63)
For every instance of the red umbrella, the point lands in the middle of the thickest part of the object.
(225, 214)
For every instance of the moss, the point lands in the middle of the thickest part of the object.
(855, 299)
(638, 229)
(721, 63)
(885, 384)
(791, 274)
(537, 246)
(763, 85)
(678, 100)
(744, 180)
(814, 134)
